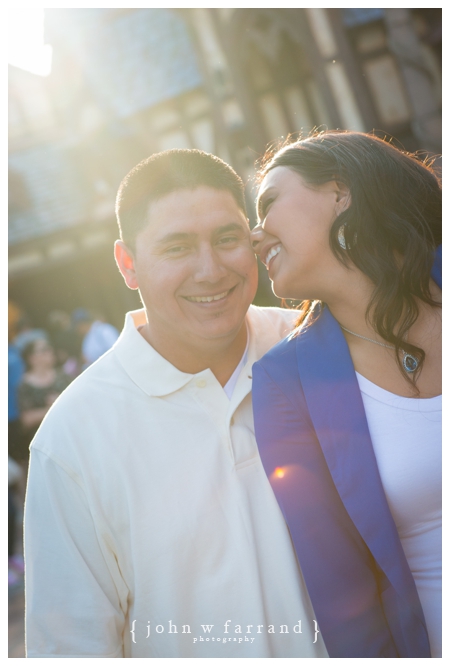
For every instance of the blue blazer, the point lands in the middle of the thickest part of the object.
(315, 446)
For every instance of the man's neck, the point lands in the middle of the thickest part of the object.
(221, 356)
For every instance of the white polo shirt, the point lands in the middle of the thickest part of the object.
(151, 529)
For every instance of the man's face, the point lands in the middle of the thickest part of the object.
(194, 266)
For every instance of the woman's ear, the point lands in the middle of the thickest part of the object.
(125, 262)
(343, 197)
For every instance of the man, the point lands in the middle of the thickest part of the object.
(151, 528)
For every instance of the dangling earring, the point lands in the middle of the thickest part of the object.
(341, 237)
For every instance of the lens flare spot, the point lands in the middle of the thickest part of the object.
(279, 473)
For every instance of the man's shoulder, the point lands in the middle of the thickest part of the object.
(92, 388)
(85, 414)
(268, 326)
(278, 317)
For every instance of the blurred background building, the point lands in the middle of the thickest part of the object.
(126, 83)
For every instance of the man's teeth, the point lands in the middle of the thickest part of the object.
(272, 253)
(207, 299)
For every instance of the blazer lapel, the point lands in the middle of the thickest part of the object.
(335, 405)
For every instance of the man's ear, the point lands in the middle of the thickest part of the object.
(125, 262)
(343, 197)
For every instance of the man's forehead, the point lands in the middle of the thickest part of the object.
(194, 211)
(194, 197)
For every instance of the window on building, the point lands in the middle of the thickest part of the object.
(286, 91)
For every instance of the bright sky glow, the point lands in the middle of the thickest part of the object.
(26, 47)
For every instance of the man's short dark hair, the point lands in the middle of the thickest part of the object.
(167, 172)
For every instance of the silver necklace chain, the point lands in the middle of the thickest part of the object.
(410, 362)
(363, 337)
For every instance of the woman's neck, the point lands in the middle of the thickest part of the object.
(349, 302)
(349, 305)
(377, 362)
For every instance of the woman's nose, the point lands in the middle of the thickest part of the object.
(257, 235)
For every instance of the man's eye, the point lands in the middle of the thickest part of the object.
(226, 240)
(177, 249)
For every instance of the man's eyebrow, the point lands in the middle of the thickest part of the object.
(177, 236)
(233, 226)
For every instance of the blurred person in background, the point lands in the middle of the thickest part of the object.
(97, 336)
(16, 369)
(65, 341)
(16, 488)
(41, 384)
(15, 559)
(26, 332)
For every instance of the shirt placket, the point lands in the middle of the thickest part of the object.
(209, 394)
(240, 418)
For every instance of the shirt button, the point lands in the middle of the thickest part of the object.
(201, 383)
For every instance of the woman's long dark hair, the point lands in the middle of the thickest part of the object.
(392, 226)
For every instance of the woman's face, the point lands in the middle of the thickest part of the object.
(42, 355)
(292, 235)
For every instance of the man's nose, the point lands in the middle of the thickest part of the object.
(209, 267)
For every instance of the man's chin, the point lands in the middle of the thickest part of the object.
(216, 328)
(210, 332)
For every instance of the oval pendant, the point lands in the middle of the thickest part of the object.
(410, 362)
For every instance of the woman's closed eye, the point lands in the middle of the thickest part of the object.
(263, 207)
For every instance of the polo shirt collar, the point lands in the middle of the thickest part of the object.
(158, 377)
(148, 369)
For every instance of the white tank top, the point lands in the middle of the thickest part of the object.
(406, 435)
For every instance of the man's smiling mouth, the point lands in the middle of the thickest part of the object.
(208, 299)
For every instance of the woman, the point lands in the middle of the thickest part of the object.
(347, 409)
(41, 385)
